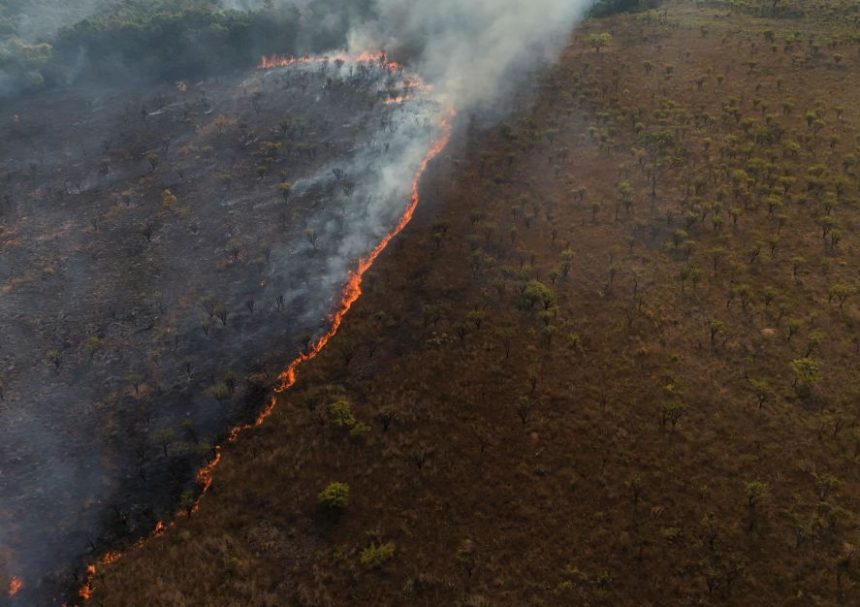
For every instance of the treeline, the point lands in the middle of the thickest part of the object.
(845, 11)
(156, 39)
(604, 8)
(173, 43)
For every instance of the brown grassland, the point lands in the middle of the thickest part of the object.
(611, 362)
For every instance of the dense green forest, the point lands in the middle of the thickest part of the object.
(159, 39)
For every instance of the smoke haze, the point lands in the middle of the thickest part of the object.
(39, 19)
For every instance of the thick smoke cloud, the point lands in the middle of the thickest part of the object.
(470, 50)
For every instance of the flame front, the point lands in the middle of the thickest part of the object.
(267, 63)
(15, 586)
(350, 294)
(352, 290)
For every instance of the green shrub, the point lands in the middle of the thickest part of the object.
(340, 414)
(334, 498)
(376, 555)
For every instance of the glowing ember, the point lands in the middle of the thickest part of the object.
(401, 99)
(351, 291)
(15, 586)
(111, 557)
(86, 590)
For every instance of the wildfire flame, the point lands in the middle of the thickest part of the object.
(410, 83)
(267, 63)
(86, 591)
(350, 294)
(398, 100)
(15, 586)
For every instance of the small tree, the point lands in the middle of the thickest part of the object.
(524, 408)
(625, 195)
(636, 489)
(334, 498)
(673, 410)
(164, 438)
(715, 327)
(153, 160)
(825, 484)
(312, 237)
(756, 492)
(221, 313)
(54, 357)
(220, 391)
(168, 199)
(598, 41)
(477, 317)
(537, 292)
(566, 261)
(340, 414)
(806, 375)
(841, 292)
(762, 391)
(375, 555)
(285, 187)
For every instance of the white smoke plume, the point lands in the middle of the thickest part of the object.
(469, 49)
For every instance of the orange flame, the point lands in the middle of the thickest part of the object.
(110, 557)
(351, 293)
(411, 82)
(86, 591)
(15, 585)
(267, 63)
(397, 100)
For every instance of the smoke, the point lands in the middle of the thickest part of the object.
(471, 50)
(8, 85)
(39, 19)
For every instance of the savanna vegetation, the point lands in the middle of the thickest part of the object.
(611, 362)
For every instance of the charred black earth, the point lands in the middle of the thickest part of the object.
(164, 251)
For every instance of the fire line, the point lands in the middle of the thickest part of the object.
(15, 586)
(349, 295)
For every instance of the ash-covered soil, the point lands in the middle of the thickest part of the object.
(163, 252)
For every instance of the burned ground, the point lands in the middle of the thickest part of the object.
(163, 251)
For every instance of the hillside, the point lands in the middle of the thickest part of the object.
(610, 362)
